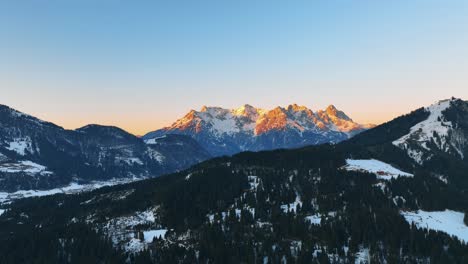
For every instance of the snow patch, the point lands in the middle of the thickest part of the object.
(156, 155)
(254, 181)
(25, 166)
(362, 256)
(314, 219)
(122, 230)
(134, 245)
(381, 169)
(292, 207)
(129, 160)
(448, 221)
(154, 141)
(21, 145)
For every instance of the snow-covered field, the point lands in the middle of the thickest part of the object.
(383, 170)
(448, 221)
(20, 146)
(69, 189)
(25, 166)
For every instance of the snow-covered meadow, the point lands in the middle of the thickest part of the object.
(383, 170)
(448, 221)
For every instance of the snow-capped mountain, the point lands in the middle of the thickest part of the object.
(35, 154)
(228, 131)
(445, 130)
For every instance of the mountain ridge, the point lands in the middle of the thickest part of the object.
(247, 128)
(36, 154)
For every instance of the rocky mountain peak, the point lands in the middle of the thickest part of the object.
(247, 111)
(333, 112)
(228, 131)
(297, 108)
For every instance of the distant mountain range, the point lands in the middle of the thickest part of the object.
(35, 154)
(229, 131)
(39, 155)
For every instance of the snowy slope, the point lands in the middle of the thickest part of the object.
(72, 188)
(383, 170)
(434, 131)
(448, 221)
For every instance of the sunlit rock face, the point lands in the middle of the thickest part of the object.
(247, 128)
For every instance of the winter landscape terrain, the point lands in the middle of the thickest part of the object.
(396, 193)
(70, 161)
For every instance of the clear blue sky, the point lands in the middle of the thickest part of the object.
(142, 64)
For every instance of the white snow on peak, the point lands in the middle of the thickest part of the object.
(381, 169)
(448, 221)
(248, 111)
(424, 131)
(21, 145)
(249, 119)
(226, 125)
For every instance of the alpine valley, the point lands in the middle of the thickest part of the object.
(396, 193)
(38, 155)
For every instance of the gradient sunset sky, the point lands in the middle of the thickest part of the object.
(140, 65)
